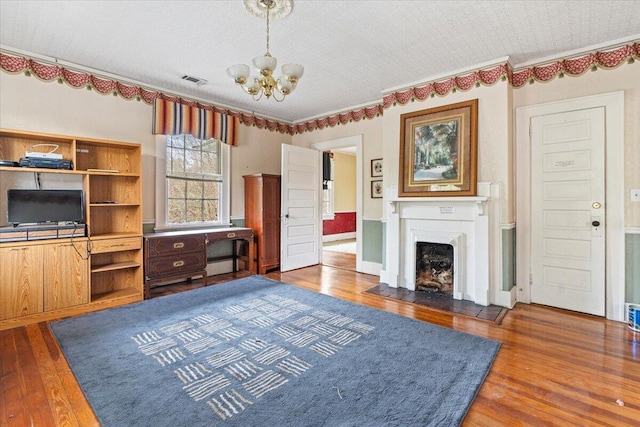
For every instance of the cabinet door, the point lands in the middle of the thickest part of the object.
(271, 216)
(20, 281)
(66, 275)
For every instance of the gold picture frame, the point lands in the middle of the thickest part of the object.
(438, 151)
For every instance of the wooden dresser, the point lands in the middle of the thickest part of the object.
(262, 214)
(180, 255)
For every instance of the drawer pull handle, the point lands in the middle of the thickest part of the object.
(178, 263)
(178, 245)
(231, 235)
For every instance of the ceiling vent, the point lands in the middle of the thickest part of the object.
(196, 80)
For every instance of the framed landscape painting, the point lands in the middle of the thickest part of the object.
(438, 151)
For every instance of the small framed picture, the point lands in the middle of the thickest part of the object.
(376, 167)
(376, 189)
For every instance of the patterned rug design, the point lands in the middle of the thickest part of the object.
(230, 380)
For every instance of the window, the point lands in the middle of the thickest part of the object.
(196, 185)
(327, 200)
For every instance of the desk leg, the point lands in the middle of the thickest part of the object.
(234, 254)
(252, 255)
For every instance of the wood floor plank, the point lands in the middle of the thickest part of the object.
(4, 392)
(25, 395)
(63, 392)
(339, 259)
(555, 368)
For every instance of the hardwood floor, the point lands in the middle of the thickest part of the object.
(339, 260)
(555, 368)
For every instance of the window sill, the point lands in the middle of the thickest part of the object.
(178, 227)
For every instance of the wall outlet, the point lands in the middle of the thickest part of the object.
(635, 195)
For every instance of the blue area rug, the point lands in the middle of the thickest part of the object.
(255, 352)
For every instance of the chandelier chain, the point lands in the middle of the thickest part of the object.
(268, 9)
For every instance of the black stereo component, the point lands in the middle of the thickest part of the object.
(37, 162)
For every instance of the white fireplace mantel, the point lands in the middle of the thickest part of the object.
(442, 202)
(476, 220)
(468, 217)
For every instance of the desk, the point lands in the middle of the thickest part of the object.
(180, 255)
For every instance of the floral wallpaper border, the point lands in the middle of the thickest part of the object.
(576, 66)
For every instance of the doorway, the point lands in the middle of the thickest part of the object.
(341, 254)
(339, 209)
(530, 184)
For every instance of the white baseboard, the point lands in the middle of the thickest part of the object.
(339, 236)
(384, 278)
(371, 268)
(506, 298)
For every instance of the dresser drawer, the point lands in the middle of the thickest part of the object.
(168, 245)
(115, 245)
(240, 233)
(171, 265)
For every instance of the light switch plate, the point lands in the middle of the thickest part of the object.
(635, 195)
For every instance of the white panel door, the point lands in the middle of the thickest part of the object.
(300, 228)
(568, 212)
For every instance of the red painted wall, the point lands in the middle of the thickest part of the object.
(344, 222)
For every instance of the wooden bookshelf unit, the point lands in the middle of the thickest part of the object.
(65, 275)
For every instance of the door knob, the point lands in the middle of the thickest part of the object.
(595, 223)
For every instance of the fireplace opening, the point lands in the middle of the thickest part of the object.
(434, 267)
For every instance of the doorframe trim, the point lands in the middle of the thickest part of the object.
(613, 103)
(350, 141)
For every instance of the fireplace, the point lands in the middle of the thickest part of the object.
(427, 225)
(438, 261)
(434, 268)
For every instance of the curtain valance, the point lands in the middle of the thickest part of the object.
(175, 118)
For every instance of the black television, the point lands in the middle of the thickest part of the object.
(45, 206)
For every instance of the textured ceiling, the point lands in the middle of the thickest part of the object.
(351, 50)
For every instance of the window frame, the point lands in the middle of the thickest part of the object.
(161, 201)
(332, 192)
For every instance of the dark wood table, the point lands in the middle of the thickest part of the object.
(181, 255)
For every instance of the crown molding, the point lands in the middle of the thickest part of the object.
(579, 52)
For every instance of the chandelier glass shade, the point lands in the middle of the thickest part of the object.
(265, 84)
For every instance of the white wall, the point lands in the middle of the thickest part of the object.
(258, 151)
(371, 131)
(27, 103)
(626, 77)
(494, 139)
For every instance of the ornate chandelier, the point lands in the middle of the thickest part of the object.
(265, 84)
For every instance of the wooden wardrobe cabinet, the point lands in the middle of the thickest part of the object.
(262, 214)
